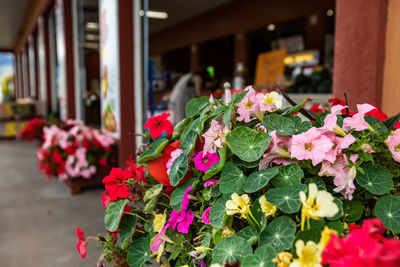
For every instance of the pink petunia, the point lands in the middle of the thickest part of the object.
(205, 217)
(330, 121)
(393, 141)
(215, 136)
(174, 155)
(203, 161)
(211, 182)
(248, 106)
(311, 145)
(357, 121)
(339, 143)
(278, 151)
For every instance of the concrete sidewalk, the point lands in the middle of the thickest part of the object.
(38, 219)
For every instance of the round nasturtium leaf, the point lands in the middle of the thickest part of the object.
(286, 198)
(353, 210)
(139, 252)
(387, 209)
(288, 175)
(217, 213)
(258, 180)
(231, 249)
(376, 179)
(250, 234)
(282, 125)
(279, 233)
(262, 257)
(248, 144)
(232, 179)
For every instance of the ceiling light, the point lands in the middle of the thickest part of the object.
(154, 14)
(92, 26)
(330, 12)
(271, 27)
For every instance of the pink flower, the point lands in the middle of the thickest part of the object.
(211, 182)
(278, 151)
(205, 217)
(357, 121)
(248, 106)
(393, 141)
(339, 143)
(203, 162)
(82, 243)
(174, 155)
(330, 121)
(158, 240)
(366, 148)
(311, 145)
(215, 136)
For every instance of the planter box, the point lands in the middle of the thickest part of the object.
(77, 185)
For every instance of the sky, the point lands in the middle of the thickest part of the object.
(6, 64)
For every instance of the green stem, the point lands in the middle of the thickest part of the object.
(135, 214)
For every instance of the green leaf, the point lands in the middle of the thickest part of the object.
(195, 105)
(376, 124)
(353, 210)
(177, 195)
(217, 213)
(300, 126)
(178, 169)
(391, 122)
(377, 179)
(152, 192)
(387, 209)
(338, 203)
(288, 175)
(279, 234)
(250, 234)
(295, 108)
(286, 198)
(232, 179)
(336, 225)
(217, 167)
(205, 243)
(282, 125)
(262, 257)
(248, 144)
(248, 165)
(188, 143)
(178, 129)
(113, 214)
(151, 205)
(235, 99)
(316, 180)
(258, 213)
(232, 249)
(259, 180)
(154, 151)
(127, 227)
(139, 252)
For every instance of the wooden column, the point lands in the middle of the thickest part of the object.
(69, 58)
(21, 71)
(360, 50)
(194, 57)
(16, 75)
(36, 53)
(47, 60)
(126, 67)
(27, 70)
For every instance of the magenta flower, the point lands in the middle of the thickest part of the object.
(158, 240)
(203, 162)
(174, 155)
(211, 182)
(215, 136)
(311, 145)
(205, 217)
(393, 141)
(181, 220)
(357, 121)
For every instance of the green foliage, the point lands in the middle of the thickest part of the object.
(178, 169)
(195, 105)
(282, 125)
(279, 233)
(113, 214)
(387, 209)
(139, 252)
(286, 198)
(376, 179)
(263, 256)
(217, 167)
(250, 234)
(353, 210)
(154, 151)
(232, 179)
(217, 214)
(288, 175)
(127, 227)
(177, 194)
(259, 180)
(229, 250)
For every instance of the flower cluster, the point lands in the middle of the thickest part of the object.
(73, 151)
(250, 183)
(33, 129)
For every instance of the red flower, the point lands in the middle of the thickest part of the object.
(71, 149)
(105, 198)
(103, 161)
(115, 184)
(337, 101)
(159, 126)
(377, 113)
(86, 145)
(136, 173)
(82, 243)
(316, 108)
(397, 125)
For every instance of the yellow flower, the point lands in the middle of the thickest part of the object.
(309, 255)
(227, 232)
(283, 259)
(273, 98)
(159, 221)
(267, 208)
(318, 204)
(326, 237)
(202, 249)
(238, 204)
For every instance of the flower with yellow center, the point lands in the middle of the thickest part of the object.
(319, 204)
(309, 255)
(267, 208)
(273, 98)
(159, 221)
(227, 232)
(238, 204)
(326, 235)
(283, 259)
